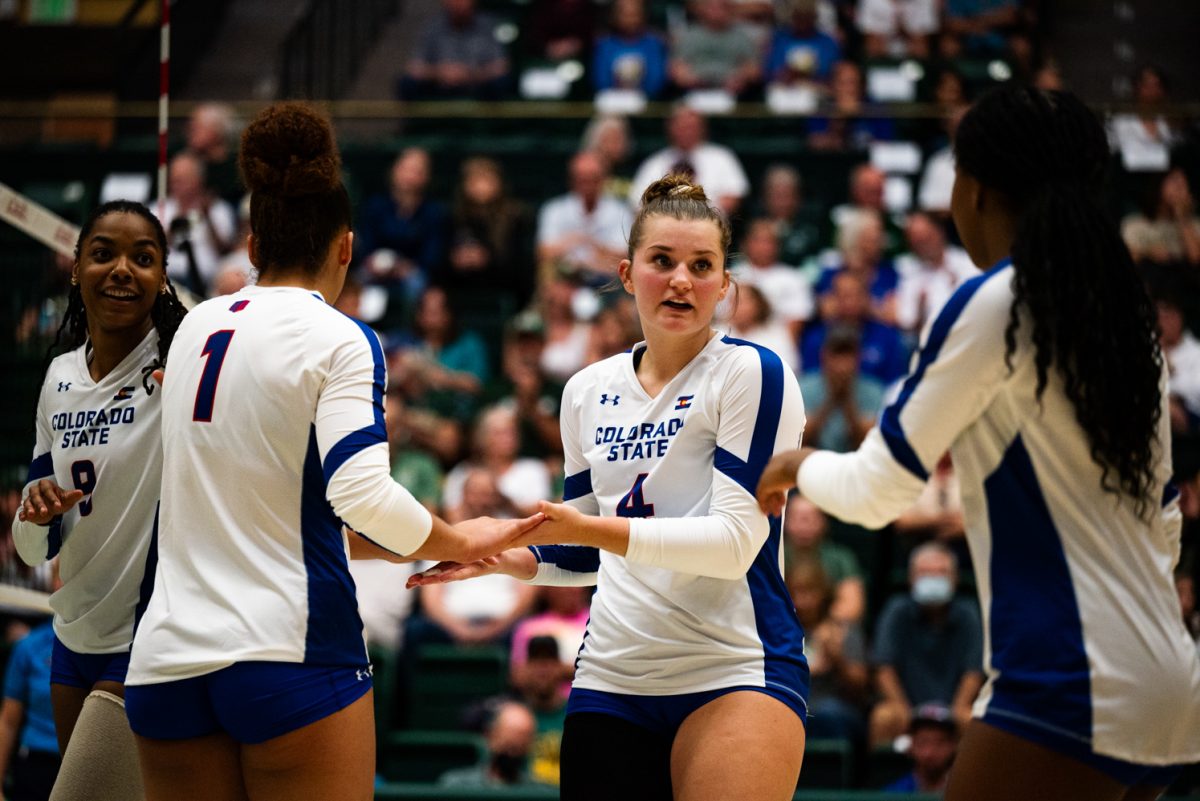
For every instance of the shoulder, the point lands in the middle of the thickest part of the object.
(598, 372)
(738, 364)
(988, 298)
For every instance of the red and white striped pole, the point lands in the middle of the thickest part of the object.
(164, 85)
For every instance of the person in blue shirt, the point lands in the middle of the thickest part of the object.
(801, 52)
(631, 56)
(934, 743)
(27, 720)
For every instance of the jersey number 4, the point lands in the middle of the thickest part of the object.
(634, 503)
(215, 349)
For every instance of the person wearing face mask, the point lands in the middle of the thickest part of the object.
(510, 733)
(928, 646)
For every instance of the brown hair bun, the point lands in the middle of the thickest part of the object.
(289, 151)
(674, 186)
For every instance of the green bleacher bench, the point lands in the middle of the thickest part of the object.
(423, 756)
(448, 678)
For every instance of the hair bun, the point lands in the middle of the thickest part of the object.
(674, 186)
(289, 151)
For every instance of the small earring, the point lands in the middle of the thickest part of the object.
(74, 280)
(163, 290)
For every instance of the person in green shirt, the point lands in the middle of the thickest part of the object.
(804, 529)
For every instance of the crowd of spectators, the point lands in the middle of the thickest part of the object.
(487, 302)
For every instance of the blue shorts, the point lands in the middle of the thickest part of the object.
(664, 714)
(84, 670)
(1129, 774)
(251, 701)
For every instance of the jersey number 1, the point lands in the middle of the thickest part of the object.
(215, 349)
(634, 503)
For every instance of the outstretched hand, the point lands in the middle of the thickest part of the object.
(488, 536)
(778, 479)
(516, 562)
(46, 501)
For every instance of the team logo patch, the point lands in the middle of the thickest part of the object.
(64, 386)
(239, 305)
(125, 393)
(684, 401)
(614, 400)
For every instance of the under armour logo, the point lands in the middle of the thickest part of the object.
(604, 399)
(362, 674)
(64, 387)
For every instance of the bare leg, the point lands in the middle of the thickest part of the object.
(331, 758)
(993, 765)
(743, 746)
(197, 769)
(68, 703)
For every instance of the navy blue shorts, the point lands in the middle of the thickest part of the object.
(1130, 774)
(84, 670)
(251, 701)
(664, 714)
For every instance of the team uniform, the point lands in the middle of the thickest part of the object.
(274, 435)
(101, 437)
(1085, 651)
(697, 607)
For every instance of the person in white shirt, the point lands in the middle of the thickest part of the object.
(692, 680)
(897, 28)
(788, 291)
(929, 272)
(91, 498)
(585, 229)
(713, 166)
(193, 214)
(249, 676)
(1182, 352)
(1044, 380)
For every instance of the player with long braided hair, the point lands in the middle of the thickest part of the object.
(1044, 380)
(91, 498)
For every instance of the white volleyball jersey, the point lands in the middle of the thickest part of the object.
(1083, 632)
(271, 398)
(699, 601)
(103, 438)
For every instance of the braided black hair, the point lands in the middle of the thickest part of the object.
(166, 313)
(1093, 319)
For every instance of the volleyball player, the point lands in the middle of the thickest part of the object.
(249, 676)
(92, 494)
(691, 681)
(1043, 378)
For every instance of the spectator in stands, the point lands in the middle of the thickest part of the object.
(29, 756)
(609, 137)
(938, 513)
(788, 291)
(836, 652)
(715, 53)
(800, 52)
(564, 621)
(861, 238)
(1181, 350)
(630, 55)
(560, 29)
(797, 223)
(1147, 128)
(928, 273)
(401, 234)
(978, 27)
(934, 745)
(689, 152)
(201, 225)
(539, 680)
(521, 482)
(806, 536)
(842, 403)
(466, 614)
(928, 647)
(510, 733)
(615, 330)
(442, 366)
(210, 137)
(866, 188)
(852, 124)
(937, 180)
(567, 335)
(882, 352)
(524, 386)
(1185, 585)
(897, 28)
(412, 466)
(457, 56)
(584, 232)
(753, 319)
(491, 239)
(1168, 229)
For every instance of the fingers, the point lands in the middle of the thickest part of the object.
(528, 523)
